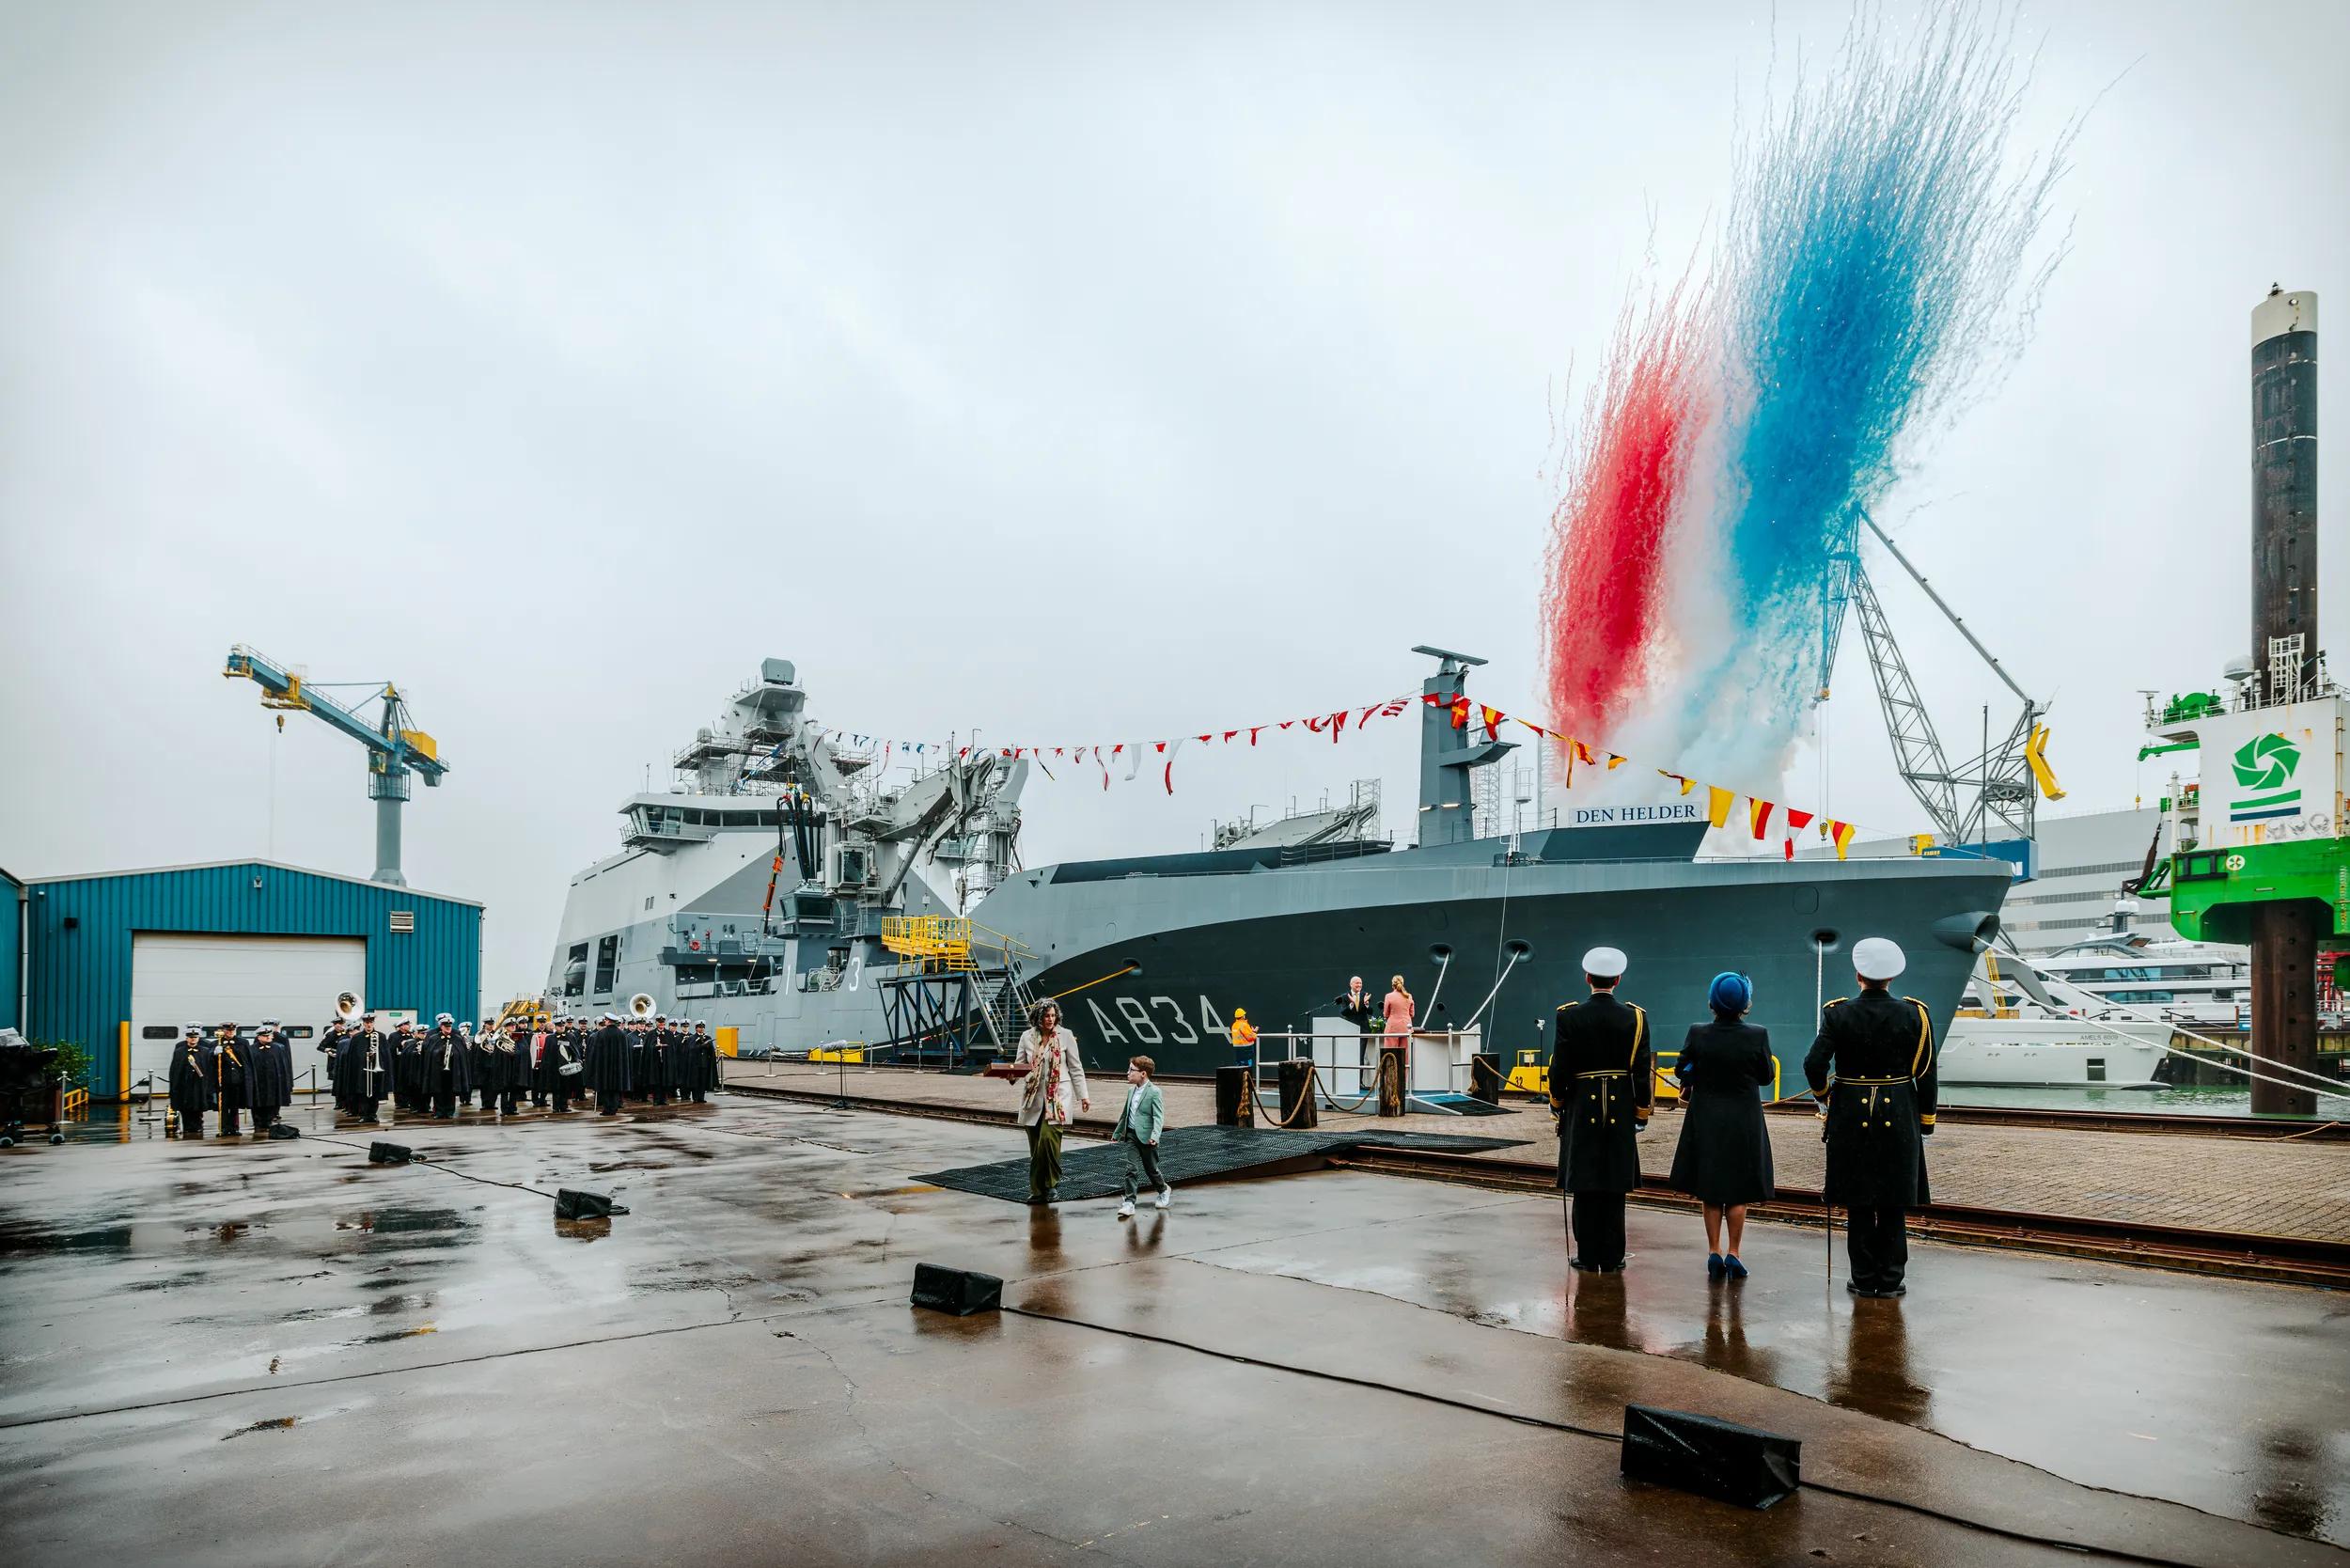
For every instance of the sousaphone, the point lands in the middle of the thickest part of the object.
(641, 1005)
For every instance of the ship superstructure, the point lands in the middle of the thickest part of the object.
(767, 874)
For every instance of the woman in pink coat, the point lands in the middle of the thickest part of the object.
(1399, 1011)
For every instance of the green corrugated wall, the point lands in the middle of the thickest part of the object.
(12, 953)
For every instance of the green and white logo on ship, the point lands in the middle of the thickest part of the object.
(2264, 765)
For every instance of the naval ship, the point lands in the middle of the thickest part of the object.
(786, 890)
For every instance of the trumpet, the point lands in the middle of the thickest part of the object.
(641, 1005)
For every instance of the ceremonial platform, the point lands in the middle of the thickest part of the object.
(242, 1353)
(1192, 1154)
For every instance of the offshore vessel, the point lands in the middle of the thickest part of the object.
(783, 889)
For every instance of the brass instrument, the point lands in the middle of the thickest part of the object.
(641, 1005)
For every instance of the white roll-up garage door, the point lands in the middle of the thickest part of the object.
(177, 976)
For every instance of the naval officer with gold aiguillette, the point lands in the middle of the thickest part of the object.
(1602, 1082)
(1879, 1106)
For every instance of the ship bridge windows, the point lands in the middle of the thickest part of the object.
(575, 971)
(607, 962)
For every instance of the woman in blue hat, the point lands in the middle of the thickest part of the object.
(1724, 1160)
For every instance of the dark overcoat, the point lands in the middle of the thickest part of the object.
(607, 1061)
(353, 1080)
(1601, 1083)
(1873, 1061)
(269, 1087)
(1724, 1156)
(190, 1080)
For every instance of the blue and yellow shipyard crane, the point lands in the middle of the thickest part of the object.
(394, 751)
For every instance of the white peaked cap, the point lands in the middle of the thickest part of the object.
(1878, 957)
(442, 1018)
(1604, 963)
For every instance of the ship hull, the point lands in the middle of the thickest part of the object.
(1158, 966)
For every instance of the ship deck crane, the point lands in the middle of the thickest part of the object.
(1999, 788)
(396, 752)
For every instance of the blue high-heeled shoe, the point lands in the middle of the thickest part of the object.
(1732, 1268)
(1714, 1265)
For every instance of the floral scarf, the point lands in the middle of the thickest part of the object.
(1048, 1059)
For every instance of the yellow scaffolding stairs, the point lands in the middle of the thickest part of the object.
(940, 944)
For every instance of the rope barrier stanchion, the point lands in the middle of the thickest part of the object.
(1313, 1073)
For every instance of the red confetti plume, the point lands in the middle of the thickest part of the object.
(1609, 535)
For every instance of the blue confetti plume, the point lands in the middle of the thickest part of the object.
(1882, 269)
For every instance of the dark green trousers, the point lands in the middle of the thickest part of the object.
(1043, 1158)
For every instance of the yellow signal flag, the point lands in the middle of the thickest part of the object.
(1717, 803)
(2035, 753)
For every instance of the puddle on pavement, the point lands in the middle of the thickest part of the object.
(170, 1283)
(26, 1239)
(391, 1334)
(584, 1229)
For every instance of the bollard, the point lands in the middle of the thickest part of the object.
(1485, 1078)
(1232, 1109)
(1297, 1094)
(1391, 1070)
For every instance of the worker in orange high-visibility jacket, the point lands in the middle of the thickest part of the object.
(1244, 1039)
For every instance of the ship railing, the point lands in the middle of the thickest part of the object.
(1440, 1061)
(1373, 862)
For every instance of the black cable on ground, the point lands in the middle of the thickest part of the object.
(2115, 1554)
(789, 1314)
(436, 1165)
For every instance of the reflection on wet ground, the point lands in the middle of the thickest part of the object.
(226, 1274)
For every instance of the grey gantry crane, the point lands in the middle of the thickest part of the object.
(1991, 796)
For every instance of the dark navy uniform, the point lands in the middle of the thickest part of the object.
(365, 1071)
(445, 1072)
(1601, 1083)
(193, 1082)
(1879, 1048)
(232, 1077)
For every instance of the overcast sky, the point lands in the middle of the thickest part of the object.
(1079, 373)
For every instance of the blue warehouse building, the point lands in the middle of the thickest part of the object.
(117, 961)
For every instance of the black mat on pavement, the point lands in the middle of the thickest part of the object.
(1091, 1169)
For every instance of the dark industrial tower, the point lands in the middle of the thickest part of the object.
(2285, 935)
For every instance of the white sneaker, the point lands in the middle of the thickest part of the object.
(1127, 1210)
(1167, 1196)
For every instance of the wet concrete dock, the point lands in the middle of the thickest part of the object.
(275, 1353)
(2280, 1185)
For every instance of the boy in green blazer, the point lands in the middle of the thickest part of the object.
(1138, 1128)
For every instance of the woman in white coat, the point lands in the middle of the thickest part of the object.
(1051, 1096)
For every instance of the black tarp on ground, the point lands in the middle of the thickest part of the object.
(1192, 1154)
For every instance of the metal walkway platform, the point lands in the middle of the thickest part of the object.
(1189, 1155)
